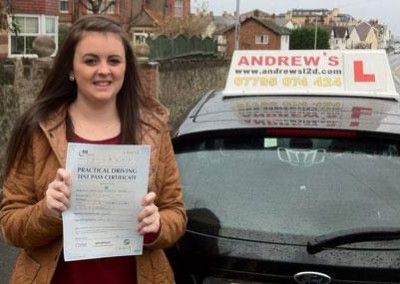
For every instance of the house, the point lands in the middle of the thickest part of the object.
(164, 8)
(354, 39)
(42, 17)
(210, 25)
(303, 17)
(148, 15)
(33, 18)
(368, 36)
(71, 10)
(125, 11)
(383, 33)
(385, 36)
(344, 20)
(143, 25)
(281, 21)
(338, 37)
(257, 13)
(256, 33)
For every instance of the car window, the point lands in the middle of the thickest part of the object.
(294, 186)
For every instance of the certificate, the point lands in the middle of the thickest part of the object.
(108, 183)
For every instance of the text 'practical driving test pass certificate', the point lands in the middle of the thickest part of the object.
(108, 185)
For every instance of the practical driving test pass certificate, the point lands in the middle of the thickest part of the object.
(108, 183)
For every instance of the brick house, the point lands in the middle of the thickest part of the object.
(147, 15)
(256, 33)
(42, 17)
(71, 10)
(33, 18)
(304, 17)
(131, 13)
(125, 10)
(163, 8)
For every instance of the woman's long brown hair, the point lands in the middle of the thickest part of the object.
(58, 91)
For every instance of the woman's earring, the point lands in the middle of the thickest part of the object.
(71, 77)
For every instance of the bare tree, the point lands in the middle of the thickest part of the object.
(191, 25)
(97, 6)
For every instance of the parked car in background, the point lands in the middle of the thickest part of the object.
(285, 184)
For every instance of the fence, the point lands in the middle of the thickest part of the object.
(163, 47)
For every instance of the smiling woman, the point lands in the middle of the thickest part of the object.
(93, 94)
(98, 69)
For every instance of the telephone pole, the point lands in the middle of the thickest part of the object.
(237, 25)
(316, 33)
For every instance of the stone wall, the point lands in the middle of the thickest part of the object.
(178, 85)
(8, 107)
(182, 83)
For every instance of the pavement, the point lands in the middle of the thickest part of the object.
(7, 259)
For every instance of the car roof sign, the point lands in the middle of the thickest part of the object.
(354, 73)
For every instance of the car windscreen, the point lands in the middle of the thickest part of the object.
(267, 188)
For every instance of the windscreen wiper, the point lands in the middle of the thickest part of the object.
(338, 238)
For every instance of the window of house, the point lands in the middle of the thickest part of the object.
(261, 39)
(28, 31)
(178, 8)
(64, 6)
(31, 26)
(139, 37)
(221, 43)
(50, 27)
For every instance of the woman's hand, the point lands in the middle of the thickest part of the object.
(149, 217)
(58, 193)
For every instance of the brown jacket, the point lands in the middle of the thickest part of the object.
(26, 223)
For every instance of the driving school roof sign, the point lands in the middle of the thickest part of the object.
(311, 72)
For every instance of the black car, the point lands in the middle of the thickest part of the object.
(290, 189)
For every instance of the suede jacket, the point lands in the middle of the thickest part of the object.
(27, 223)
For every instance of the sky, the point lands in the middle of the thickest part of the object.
(386, 11)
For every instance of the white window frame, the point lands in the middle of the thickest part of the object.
(262, 39)
(178, 11)
(64, 11)
(41, 31)
(143, 36)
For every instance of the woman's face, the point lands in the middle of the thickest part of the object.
(99, 67)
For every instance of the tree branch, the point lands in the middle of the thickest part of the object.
(84, 4)
(111, 3)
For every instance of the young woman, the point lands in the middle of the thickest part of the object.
(92, 95)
